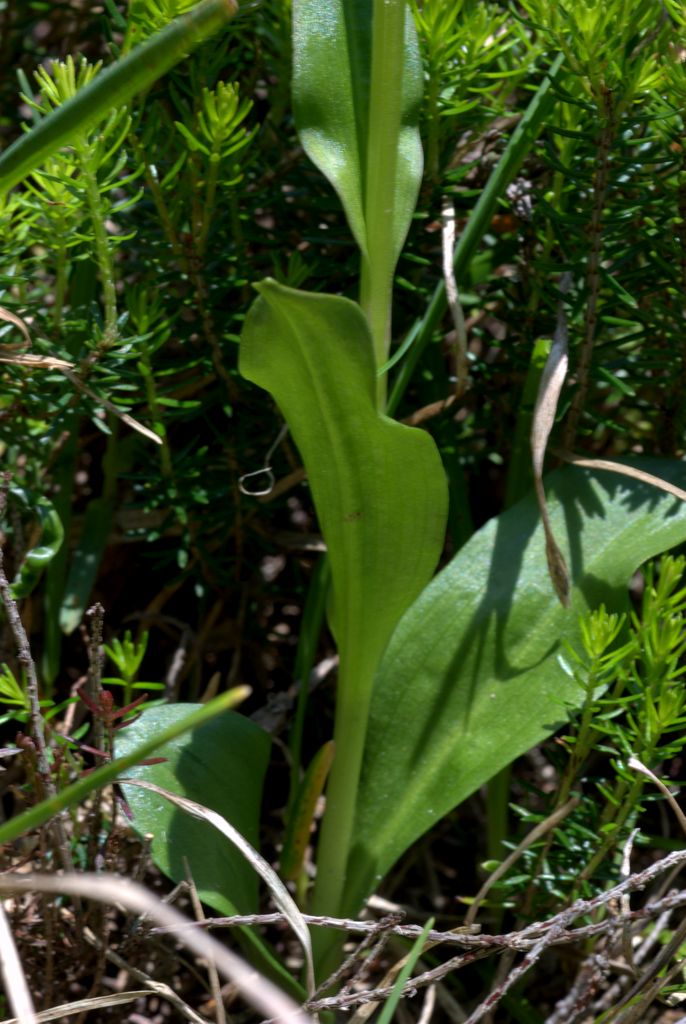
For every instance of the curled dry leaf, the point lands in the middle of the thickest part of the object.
(638, 766)
(280, 894)
(40, 362)
(109, 889)
(552, 379)
(12, 318)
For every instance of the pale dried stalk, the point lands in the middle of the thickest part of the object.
(25, 659)
(634, 1008)
(456, 937)
(82, 1006)
(81, 385)
(11, 318)
(625, 901)
(622, 470)
(16, 989)
(453, 297)
(159, 988)
(428, 1006)
(535, 938)
(215, 984)
(514, 976)
(110, 889)
(638, 766)
(588, 981)
(52, 363)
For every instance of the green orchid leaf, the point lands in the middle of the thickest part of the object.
(378, 486)
(380, 495)
(36, 560)
(85, 563)
(221, 764)
(475, 673)
(335, 106)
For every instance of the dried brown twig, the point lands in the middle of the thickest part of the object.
(25, 659)
(532, 940)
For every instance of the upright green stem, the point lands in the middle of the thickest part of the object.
(158, 199)
(210, 195)
(146, 371)
(61, 266)
(103, 254)
(376, 288)
(376, 284)
(352, 712)
(617, 813)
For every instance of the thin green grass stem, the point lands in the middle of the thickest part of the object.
(508, 166)
(155, 411)
(113, 87)
(391, 1004)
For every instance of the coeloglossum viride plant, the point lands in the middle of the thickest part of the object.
(470, 678)
(441, 683)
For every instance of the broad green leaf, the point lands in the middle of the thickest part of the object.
(381, 500)
(113, 87)
(474, 675)
(280, 895)
(220, 765)
(37, 558)
(107, 773)
(378, 486)
(85, 563)
(332, 98)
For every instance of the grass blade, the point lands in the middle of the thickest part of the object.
(113, 87)
(386, 1015)
(516, 150)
